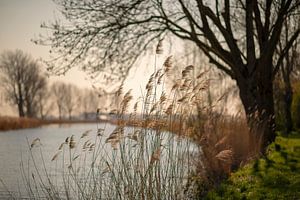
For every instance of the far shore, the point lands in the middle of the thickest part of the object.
(13, 123)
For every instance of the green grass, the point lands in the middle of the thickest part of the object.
(276, 176)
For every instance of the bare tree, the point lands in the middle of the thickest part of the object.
(22, 80)
(34, 84)
(58, 90)
(72, 99)
(44, 102)
(89, 102)
(238, 36)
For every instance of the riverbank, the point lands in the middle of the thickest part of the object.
(13, 123)
(276, 176)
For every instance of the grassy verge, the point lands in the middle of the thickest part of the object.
(277, 176)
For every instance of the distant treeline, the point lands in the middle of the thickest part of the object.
(27, 88)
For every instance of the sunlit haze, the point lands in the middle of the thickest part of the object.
(20, 22)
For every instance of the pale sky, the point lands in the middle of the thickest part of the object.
(20, 22)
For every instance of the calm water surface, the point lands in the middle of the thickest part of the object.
(14, 148)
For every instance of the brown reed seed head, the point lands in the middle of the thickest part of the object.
(225, 155)
(200, 75)
(169, 109)
(35, 142)
(187, 71)
(159, 81)
(92, 146)
(162, 98)
(72, 142)
(125, 102)
(100, 131)
(159, 47)
(176, 85)
(85, 133)
(155, 156)
(116, 135)
(86, 145)
(168, 64)
(135, 106)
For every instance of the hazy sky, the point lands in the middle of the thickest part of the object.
(20, 22)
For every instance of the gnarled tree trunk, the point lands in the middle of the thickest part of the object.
(256, 93)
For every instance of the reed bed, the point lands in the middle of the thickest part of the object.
(177, 148)
(10, 123)
(13, 123)
(142, 162)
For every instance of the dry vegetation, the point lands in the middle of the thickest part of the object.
(224, 143)
(10, 123)
(224, 140)
(146, 162)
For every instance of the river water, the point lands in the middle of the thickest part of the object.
(16, 166)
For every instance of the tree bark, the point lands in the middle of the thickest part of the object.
(20, 109)
(288, 98)
(256, 93)
(20, 101)
(29, 110)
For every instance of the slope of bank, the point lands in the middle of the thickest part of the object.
(276, 176)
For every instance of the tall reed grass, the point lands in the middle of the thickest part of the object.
(176, 150)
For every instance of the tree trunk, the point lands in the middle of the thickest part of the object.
(20, 101)
(20, 109)
(256, 93)
(288, 98)
(41, 108)
(29, 112)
